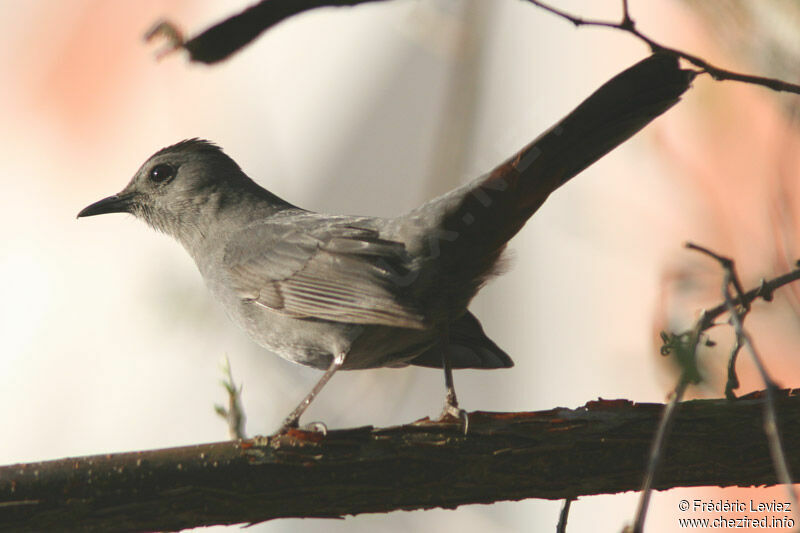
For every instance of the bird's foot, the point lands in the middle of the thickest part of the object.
(452, 410)
(290, 423)
(316, 427)
(293, 422)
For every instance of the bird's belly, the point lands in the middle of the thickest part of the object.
(313, 342)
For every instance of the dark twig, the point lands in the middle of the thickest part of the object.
(732, 383)
(684, 346)
(563, 516)
(728, 265)
(233, 414)
(657, 451)
(234, 33)
(764, 291)
(224, 38)
(777, 452)
(628, 25)
(626, 14)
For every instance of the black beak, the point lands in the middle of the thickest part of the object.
(112, 204)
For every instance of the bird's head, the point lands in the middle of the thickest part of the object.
(180, 188)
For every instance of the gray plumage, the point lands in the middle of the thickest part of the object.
(375, 291)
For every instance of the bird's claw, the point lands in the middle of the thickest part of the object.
(316, 427)
(293, 423)
(290, 423)
(454, 411)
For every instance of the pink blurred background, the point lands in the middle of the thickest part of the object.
(110, 342)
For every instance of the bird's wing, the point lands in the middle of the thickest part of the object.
(330, 271)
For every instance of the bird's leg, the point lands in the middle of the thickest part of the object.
(451, 407)
(294, 417)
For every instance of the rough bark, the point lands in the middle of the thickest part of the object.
(600, 448)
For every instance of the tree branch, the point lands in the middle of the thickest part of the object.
(232, 34)
(737, 315)
(628, 25)
(224, 38)
(600, 448)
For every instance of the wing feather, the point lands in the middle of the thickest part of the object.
(338, 272)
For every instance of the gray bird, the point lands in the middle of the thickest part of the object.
(355, 292)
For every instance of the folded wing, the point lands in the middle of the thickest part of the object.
(336, 271)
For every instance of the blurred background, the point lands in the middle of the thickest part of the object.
(111, 343)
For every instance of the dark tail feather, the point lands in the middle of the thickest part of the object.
(476, 220)
(502, 202)
(610, 116)
(469, 348)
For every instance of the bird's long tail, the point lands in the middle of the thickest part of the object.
(610, 116)
(477, 220)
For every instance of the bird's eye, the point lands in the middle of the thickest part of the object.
(161, 173)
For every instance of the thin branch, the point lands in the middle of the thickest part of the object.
(234, 414)
(779, 460)
(777, 453)
(732, 383)
(232, 34)
(628, 25)
(600, 448)
(685, 346)
(764, 291)
(563, 516)
(656, 453)
(728, 266)
(626, 13)
(682, 343)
